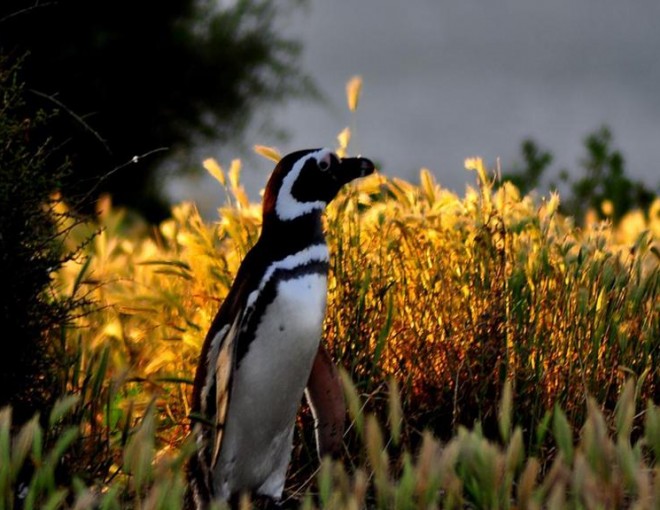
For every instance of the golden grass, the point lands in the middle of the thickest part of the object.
(450, 299)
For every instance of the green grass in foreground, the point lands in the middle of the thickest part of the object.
(599, 467)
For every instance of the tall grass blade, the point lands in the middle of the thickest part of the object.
(353, 89)
(562, 433)
(268, 152)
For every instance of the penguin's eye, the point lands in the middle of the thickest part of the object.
(324, 165)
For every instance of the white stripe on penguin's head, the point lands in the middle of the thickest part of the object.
(288, 207)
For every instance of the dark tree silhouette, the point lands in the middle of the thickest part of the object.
(602, 178)
(527, 176)
(30, 250)
(132, 78)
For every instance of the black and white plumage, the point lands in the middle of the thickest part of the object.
(263, 347)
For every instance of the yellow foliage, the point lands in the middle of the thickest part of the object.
(215, 170)
(353, 89)
(268, 152)
(344, 139)
(437, 290)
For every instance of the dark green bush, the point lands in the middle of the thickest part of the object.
(31, 170)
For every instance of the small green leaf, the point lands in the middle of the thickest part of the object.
(652, 429)
(395, 412)
(62, 407)
(563, 434)
(353, 401)
(504, 412)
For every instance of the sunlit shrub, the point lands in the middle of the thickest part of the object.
(451, 296)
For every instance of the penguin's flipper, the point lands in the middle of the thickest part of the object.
(325, 397)
(224, 369)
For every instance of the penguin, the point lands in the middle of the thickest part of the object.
(262, 351)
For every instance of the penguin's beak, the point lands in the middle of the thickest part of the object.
(354, 168)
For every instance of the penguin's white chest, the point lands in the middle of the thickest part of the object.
(268, 386)
(289, 332)
(296, 312)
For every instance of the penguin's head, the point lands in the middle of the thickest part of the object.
(306, 181)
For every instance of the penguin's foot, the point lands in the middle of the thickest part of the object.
(260, 502)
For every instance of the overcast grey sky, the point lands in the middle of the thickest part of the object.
(448, 80)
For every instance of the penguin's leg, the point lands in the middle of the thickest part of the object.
(325, 397)
(273, 486)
